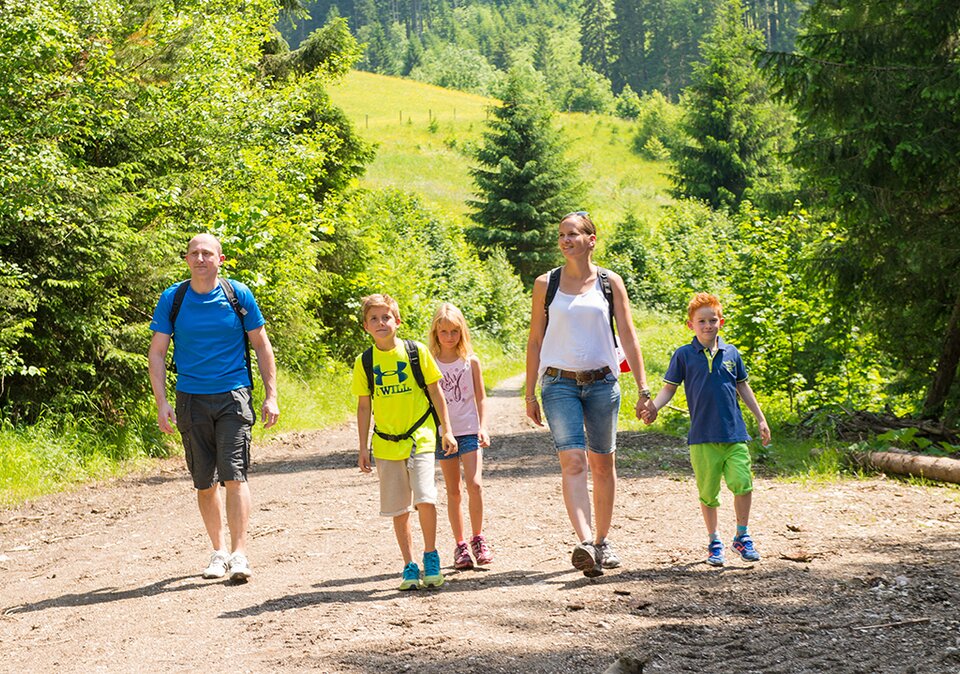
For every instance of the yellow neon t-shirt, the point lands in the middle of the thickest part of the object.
(397, 401)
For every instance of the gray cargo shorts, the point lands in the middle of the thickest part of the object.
(215, 430)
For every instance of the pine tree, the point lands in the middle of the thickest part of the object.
(524, 185)
(733, 126)
(595, 20)
(876, 87)
(629, 44)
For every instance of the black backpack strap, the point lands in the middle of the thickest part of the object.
(231, 294)
(413, 355)
(178, 296)
(604, 276)
(553, 284)
(366, 360)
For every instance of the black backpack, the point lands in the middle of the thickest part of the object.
(413, 355)
(231, 295)
(553, 284)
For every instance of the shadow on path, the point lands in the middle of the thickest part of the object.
(108, 594)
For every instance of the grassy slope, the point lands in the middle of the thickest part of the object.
(396, 114)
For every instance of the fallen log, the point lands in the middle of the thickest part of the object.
(940, 468)
(860, 425)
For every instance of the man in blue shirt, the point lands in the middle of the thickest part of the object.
(712, 374)
(214, 409)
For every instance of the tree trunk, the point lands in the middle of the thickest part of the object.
(931, 467)
(946, 367)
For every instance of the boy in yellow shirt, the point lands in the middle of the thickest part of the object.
(405, 434)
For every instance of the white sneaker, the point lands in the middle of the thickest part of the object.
(217, 568)
(239, 569)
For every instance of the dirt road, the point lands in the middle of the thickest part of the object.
(857, 576)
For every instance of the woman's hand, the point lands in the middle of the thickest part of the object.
(533, 411)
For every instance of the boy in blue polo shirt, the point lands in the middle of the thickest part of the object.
(712, 373)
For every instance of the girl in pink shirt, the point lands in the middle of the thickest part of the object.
(462, 387)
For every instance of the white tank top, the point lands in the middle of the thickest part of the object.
(578, 335)
(457, 387)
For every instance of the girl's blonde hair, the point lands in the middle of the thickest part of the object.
(449, 313)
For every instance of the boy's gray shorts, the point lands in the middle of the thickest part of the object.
(215, 429)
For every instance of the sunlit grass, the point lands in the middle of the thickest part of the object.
(396, 114)
(323, 399)
(54, 454)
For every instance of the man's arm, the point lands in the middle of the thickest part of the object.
(363, 426)
(270, 410)
(440, 405)
(157, 358)
(750, 400)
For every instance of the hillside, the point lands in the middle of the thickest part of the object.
(433, 159)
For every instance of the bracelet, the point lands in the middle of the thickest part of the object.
(531, 400)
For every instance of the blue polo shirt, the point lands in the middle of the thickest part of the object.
(208, 344)
(711, 389)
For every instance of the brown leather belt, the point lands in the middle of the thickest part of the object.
(582, 377)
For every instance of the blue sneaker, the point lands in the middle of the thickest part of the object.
(744, 545)
(411, 577)
(431, 569)
(715, 553)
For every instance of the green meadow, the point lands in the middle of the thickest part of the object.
(425, 136)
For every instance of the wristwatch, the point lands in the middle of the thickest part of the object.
(645, 393)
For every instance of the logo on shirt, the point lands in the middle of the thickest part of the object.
(379, 374)
(730, 366)
(451, 386)
(390, 389)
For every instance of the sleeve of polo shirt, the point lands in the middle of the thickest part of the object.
(741, 369)
(675, 371)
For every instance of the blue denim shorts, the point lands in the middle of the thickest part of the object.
(465, 445)
(582, 416)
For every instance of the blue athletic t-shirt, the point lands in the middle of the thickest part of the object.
(208, 341)
(711, 389)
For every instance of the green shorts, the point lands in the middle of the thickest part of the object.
(711, 460)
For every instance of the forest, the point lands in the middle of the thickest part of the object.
(811, 151)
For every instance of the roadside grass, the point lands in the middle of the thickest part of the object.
(426, 136)
(497, 362)
(57, 453)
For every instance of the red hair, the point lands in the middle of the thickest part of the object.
(701, 300)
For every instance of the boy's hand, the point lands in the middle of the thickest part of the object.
(363, 460)
(764, 433)
(484, 437)
(449, 444)
(649, 412)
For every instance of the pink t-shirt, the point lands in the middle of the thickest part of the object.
(457, 387)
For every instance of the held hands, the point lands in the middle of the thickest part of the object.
(646, 411)
(269, 412)
(166, 418)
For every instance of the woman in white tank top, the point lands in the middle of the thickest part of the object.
(572, 353)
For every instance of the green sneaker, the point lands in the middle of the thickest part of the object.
(411, 577)
(431, 569)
